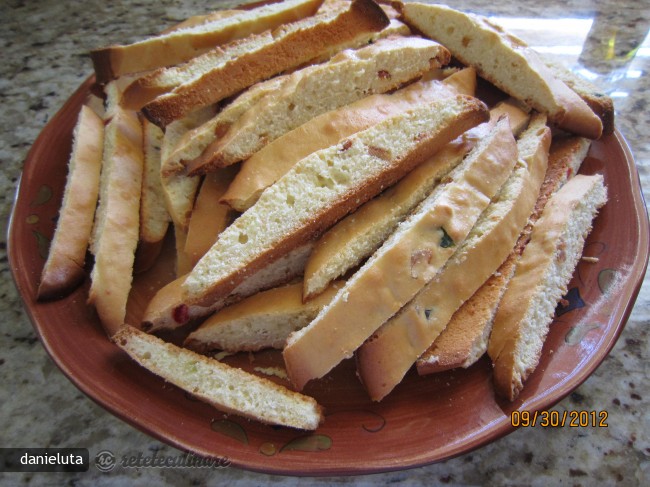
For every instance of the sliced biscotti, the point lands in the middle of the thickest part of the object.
(167, 309)
(117, 219)
(264, 320)
(541, 278)
(507, 62)
(346, 78)
(209, 215)
(354, 238)
(191, 145)
(187, 42)
(64, 267)
(598, 101)
(464, 339)
(216, 75)
(325, 186)
(384, 359)
(273, 161)
(405, 263)
(227, 388)
(154, 217)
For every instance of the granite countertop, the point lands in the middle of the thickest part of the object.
(45, 48)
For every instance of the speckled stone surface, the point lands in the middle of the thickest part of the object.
(45, 48)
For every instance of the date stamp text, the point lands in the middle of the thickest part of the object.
(559, 419)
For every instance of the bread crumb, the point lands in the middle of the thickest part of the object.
(592, 260)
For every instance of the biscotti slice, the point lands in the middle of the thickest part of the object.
(346, 78)
(217, 75)
(180, 190)
(325, 186)
(385, 358)
(191, 145)
(405, 263)
(358, 235)
(464, 339)
(227, 388)
(117, 219)
(185, 43)
(273, 161)
(64, 267)
(598, 101)
(209, 216)
(505, 61)
(264, 320)
(541, 278)
(154, 217)
(167, 309)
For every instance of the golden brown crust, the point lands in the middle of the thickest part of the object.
(474, 113)
(117, 222)
(64, 268)
(286, 52)
(174, 48)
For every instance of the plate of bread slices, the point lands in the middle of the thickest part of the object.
(274, 233)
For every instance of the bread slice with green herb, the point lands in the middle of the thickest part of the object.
(410, 258)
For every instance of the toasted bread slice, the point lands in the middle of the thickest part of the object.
(116, 230)
(358, 235)
(405, 263)
(325, 186)
(189, 41)
(227, 388)
(541, 278)
(269, 164)
(261, 321)
(507, 62)
(465, 337)
(64, 267)
(384, 359)
(598, 101)
(154, 217)
(346, 78)
(167, 309)
(217, 74)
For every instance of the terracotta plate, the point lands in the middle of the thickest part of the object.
(424, 420)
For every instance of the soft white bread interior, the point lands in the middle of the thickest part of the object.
(506, 61)
(346, 78)
(264, 320)
(64, 267)
(323, 187)
(541, 279)
(464, 340)
(227, 388)
(191, 40)
(273, 161)
(406, 262)
(386, 357)
(117, 219)
(167, 309)
(261, 56)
